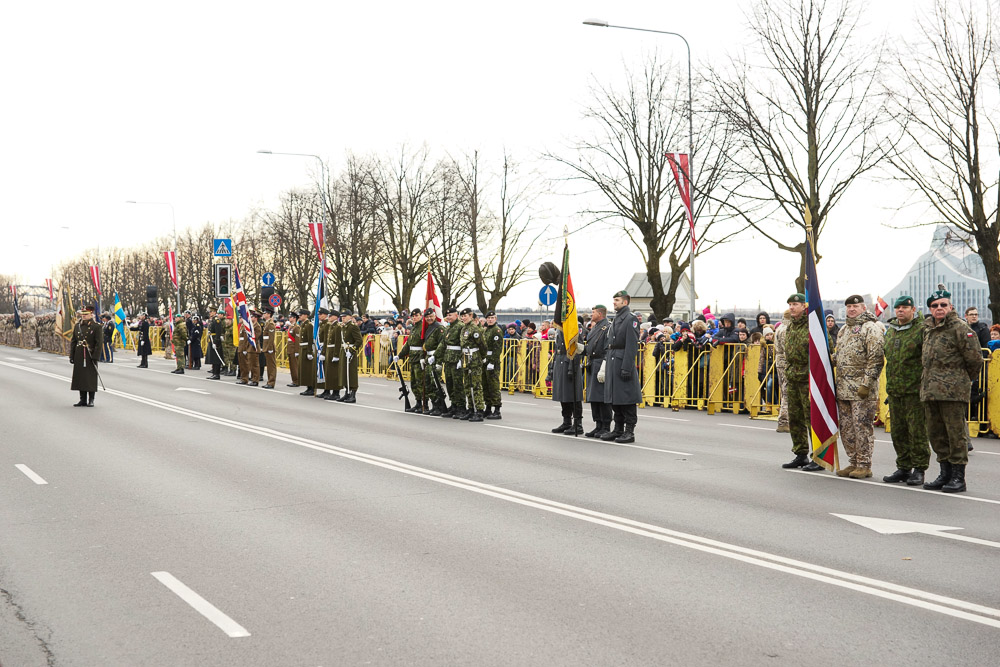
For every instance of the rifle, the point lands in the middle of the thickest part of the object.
(404, 393)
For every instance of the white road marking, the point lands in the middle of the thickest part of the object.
(590, 440)
(30, 474)
(14, 359)
(897, 527)
(197, 391)
(900, 487)
(979, 451)
(756, 428)
(941, 604)
(201, 605)
(669, 419)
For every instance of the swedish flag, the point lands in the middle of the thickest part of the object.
(120, 318)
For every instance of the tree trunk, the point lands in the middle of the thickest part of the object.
(987, 250)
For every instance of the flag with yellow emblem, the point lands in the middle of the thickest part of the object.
(565, 316)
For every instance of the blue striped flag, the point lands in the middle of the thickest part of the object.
(120, 318)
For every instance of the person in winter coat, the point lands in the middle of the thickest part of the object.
(832, 330)
(727, 331)
(763, 320)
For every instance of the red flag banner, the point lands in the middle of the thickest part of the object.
(319, 241)
(880, 306)
(13, 292)
(48, 283)
(431, 301)
(680, 165)
(823, 424)
(171, 258)
(95, 275)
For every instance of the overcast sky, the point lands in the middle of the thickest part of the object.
(111, 101)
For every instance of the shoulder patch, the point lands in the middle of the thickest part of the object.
(634, 324)
(972, 334)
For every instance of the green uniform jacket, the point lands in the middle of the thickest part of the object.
(903, 346)
(180, 338)
(951, 360)
(334, 355)
(796, 349)
(307, 355)
(452, 338)
(434, 339)
(473, 344)
(350, 336)
(494, 346)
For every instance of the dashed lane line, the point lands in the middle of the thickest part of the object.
(201, 605)
(30, 474)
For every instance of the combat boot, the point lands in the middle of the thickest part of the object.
(307, 392)
(337, 397)
(449, 412)
(628, 436)
(916, 478)
(955, 485)
(812, 466)
(332, 396)
(594, 433)
(350, 397)
(82, 403)
(425, 407)
(326, 392)
(901, 475)
(459, 413)
(496, 413)
(438, 409)
(178, 371)
(414, 408)
(477, 416)
(846, 472)
(563, 427)
(782, 428)
(860, 472)
(943, 478)
(467, 415)
(608, 436)
(799, 461)
(576, 428)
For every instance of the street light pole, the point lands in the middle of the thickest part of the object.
(604, 24)
(173, 219)
(322, 175)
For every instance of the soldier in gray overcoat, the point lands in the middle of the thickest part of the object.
(566, 376)
(84, 352)
(620, 377)
(593, 359)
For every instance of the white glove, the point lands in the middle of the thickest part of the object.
(244, 351)
(395, 359)
(322, 358)
(430, 359)
(309, 357)
(458, 365)
(423, 363)
(489, 367)
(600, 374)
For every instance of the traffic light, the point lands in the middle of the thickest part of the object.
(265, 294)
(152, 302)
(223, 282)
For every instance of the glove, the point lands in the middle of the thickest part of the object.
(430, 359)
(489, 367)
(863, 392)
(600, 375)
(438, 367)
(626, 374)
(395, 359)
(308, 356)
(322, 358)
(244, 352)
(458, 365)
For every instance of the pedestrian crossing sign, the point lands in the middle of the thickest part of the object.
(222, 247)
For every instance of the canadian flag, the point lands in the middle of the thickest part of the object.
(880, 306)
(48, 283)
(171, 258)
(95, 275)
(432, 301)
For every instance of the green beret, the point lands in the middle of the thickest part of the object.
(798, 297)
(601, 306)
(903, 301)
(622, 293)
(938, 294)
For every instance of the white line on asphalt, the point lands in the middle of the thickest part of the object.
(201, 605)
(756, 428)
(883, 485)
(979, 451)
(31, 474)
(589, 440)
(14, 359)
(669, 419)
(914, 597)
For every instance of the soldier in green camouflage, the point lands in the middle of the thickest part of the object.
(951, 361)
(449, 353)
(794, 358)
(433, 338)
(473, 352)
(423, 391)
(903, 344)
(491, 375)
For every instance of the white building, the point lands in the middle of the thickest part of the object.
(642, 294)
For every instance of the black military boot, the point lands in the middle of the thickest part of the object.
(82, 403)
(943, 478)
(326, 392)
(799, 461)
(438, 410)
(332, 396)
(916, 478)
(596, 432)
(467, 415)
(955, 485)
(628, 436)
(90, 404)
(576, 428)
(308, 392)
(495, 414)
(476, 416)
(349, 397)
(425, 408)
(812, 466)
(178, 371)
(459, 412)
(489, 411)
(901, 475)
(562, 428)
(608, 436)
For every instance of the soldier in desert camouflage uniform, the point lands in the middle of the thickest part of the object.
(903, 344)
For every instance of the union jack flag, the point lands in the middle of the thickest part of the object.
(242, 309)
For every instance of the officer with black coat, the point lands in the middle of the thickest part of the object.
(195, 331)
(593, 360)
(566, 376)
(84, 351)
(108, 347)
(619, 374)
(216, 330)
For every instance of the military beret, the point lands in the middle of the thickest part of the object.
(622, 293)
(416, 311)
(903, 301)
(854, 300)
(429, 311)
(798, 297)
(347, 312)
(451, 310)
(335, 313)
(324, 311)
(180, 315)
(303, 311)
(938, 294)
(600, 306)
(466, 311)
(269, 310)
(491, 313)
(220, 311)
(105, 316)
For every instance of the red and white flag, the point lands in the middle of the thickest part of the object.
(48, 283)
(171, 258)
(680, 165)
(316, 233)
(95, 275)
(13, 291)
(432, 301)
(880, 306)
(823, 418)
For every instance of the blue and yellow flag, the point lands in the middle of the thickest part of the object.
(565, 315)
(120, 318)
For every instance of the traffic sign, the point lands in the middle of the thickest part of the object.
(274, 300)
(222, 247)
(548, 295)
(267, 279)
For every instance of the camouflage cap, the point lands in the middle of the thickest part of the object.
(798, 297)
(854, 300)
(938, 294)
(903, 301)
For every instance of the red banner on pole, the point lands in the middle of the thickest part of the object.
(95, 275)
(431, 301)
(316, 233)
(171, 258)
(682, 177)
(48, 283)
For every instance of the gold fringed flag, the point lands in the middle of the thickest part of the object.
(565, 316)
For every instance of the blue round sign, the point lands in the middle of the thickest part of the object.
(267, 279)
(548, 295)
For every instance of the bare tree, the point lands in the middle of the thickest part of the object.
(626, 162)
(448, 246)
(948, 96)
(295, 261)
(808, 122)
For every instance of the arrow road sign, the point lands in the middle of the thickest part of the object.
(548, 295)
(267, 279)
(896, 527)
(197, 391)
(222, 247)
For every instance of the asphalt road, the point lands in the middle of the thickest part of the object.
(188, 522)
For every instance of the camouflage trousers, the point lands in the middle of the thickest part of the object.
(948, 430)
(455, 383)
(783, 407)
(908, 428)
(474, 385)
(491, 387)
(857, 430)
(180, 358)
(421, 382)
(796, 395)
